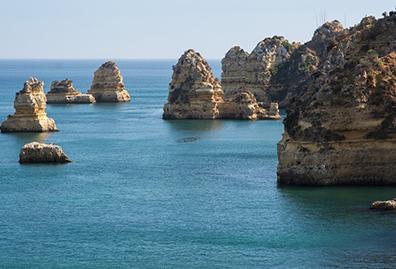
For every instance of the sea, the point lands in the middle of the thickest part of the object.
(143, 192)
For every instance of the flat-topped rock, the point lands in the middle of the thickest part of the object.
(42, 153)
(63, 92)
(30, 110)
(384, 205)
(108, 84)
(194, 92)
(341, 128)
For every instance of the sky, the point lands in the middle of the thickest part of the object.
(163, 29)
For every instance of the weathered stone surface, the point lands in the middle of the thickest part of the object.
(42, 153)
(340, 129)
(255, 70)
(30, 110)
(194, 93)
(108, 84)
(63, 92)
(384, 205)
(242, 104)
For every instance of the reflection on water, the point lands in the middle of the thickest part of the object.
(23, 138)
(195, 125)
(187, 139)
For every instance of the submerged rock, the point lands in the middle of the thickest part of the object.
(194, 92)
(63, 92)
(108, 84)
(42, 153)
(30, 110)
(384, 205)
(341, 128)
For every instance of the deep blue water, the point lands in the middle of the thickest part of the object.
(146, 193)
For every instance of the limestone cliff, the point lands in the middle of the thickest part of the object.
(108, 84)
(341, 128)
(255, 70)
(30, 110)
(195, 93)
(63, 92)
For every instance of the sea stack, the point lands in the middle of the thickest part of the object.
(254, 70)
(194, 92)
(42, 153)
(341, 129)
(108, 84)
(30, 110)
(63, 92)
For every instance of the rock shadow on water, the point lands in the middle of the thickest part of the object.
(189, 139)
(195, 125)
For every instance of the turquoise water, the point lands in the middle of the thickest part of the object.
(148, 193)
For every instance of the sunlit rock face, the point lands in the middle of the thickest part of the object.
(30, 110)
(108, 84)
(195, 93)
(63, 92)
(42, 153)
(340, 129)
(254, 70)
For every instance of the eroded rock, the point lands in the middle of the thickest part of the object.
(108, 84)
(42, 153)
(63, 92)
(384, 205)
(340, 129)
(30, 110)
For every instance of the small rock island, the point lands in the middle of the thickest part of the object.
(63, 92)
(341, 127)
(42, 153)
(195, 93)
(108, 84)
(30, 110)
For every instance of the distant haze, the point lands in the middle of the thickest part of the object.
(156, 29)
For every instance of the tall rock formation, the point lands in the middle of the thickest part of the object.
(341, 128)
(194, 93)
(30, 110)
(108, 84)
(63, 92)
(255, 70)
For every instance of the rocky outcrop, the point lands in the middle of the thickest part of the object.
(340, 129)
(384, 205)
(255, 70)
(63, 92)
(292, 77)
(108, 84)
(42, 153)
(194, 93)
(30, 110)
(242, 104)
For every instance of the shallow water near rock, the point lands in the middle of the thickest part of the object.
(146, 193)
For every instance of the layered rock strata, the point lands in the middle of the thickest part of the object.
(254, 70)
(341, 128)
(30, 110)
(108, 84)
(63, 92)
(42, 153)
(195, 93)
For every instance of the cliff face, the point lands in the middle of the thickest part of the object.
(340, 129)
(292, 76)
(255, 70)
(108, 84)
(194, 93)
(30, 110)
(63, 92)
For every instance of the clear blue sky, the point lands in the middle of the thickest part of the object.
(162, 28)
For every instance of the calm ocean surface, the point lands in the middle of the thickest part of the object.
(148, 193)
